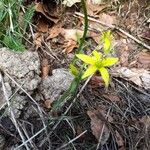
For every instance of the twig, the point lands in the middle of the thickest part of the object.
(10, 98)
(27, 135)
(17, 148)
(116, 28)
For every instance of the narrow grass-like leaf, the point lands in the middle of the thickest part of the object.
(28, 16)
(13, 43)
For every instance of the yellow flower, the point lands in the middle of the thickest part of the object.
(97, 63)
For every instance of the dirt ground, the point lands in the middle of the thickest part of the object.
(98, 119)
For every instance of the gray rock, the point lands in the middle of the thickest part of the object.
(23, 67)
(52, 86)
(17, 104)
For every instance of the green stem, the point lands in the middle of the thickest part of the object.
(71, 92)
(82, 40)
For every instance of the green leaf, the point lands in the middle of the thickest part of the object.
(106, 39)
(109, 61)
(13, 43)
(73, 70)
(28, 16)
(86, 59)
(91, 70)
(105, 75)
(97, 55)
(107, 45)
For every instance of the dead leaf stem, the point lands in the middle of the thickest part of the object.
(114, 27)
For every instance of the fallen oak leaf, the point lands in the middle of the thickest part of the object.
(39, 7)
(69, 46)
(142, 60)
(140, 77)
(93, 8)
(37, 40)
(98, 126)
(96, 81)
(42, 26)
(73, 34)
(54, 31)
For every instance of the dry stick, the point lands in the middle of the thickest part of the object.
(12, 113)
(40, 131)
(27, 135)
(116, 28)
(40, 111)
(10, 98)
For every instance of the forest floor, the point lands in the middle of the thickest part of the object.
(116, 118)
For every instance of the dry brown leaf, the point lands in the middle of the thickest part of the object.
(142, 60)
(94, 8)
(69, 46)
(146, 121)
(48, 103)
(42, 26)
(119, 141)
(109, 19)
(54, 31)
(98, 126)
(79, 130)
(95, 37)
(73, 34)
(140, 77)
(123, 59)
(45, 68)
(39, 7)
(70, 3)
(123, 51)
(112, 97)
(37, 40)
(96, 81)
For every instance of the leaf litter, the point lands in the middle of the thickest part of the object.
(126, 105)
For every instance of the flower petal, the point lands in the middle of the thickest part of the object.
(109, 61)
(91, 70)
(97, 55)
(86, 59)
(105, 75)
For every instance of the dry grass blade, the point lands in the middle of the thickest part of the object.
(39, 108)
(12, 113)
